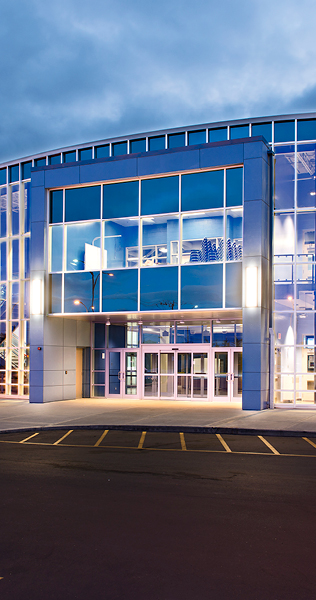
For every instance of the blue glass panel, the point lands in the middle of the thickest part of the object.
(120, 243)
(234, 237)
(264, 129)
(55, 293)
(159, 289)
(3, 211)
(27, 204)
(234, 187)
(306, 176)
(193, 333)
(56, 206)
(202, 190)
(233, 296)
(57, 248)
(99, 377)
(217, 135)
(284, 177)
(197, 137)
(119, 148)
(26, 299)
(284, 131)
(239, 131)
(226, 334)
(305, 231)
(158, 334)
(85, 154)
(117, 336)
(83, 203)
(15, 300)
(13, 173)
(119, 290)
(202, 286)
(176, 140)
(203, 238)
(120, 199)
(137, 146)
(3, 257)
(84, 289)
(15, 259)
(98, 391)
(306, 129)
(3, 302)
(83, 247)
(55, 159)
(26, 170)
(160, 195)
(283, 296)
(157, 143)
(160, 241)
(40, 162)
(27, 257)
(69, 156)
(3, 176)
(15, 209)
(99, 335)
(284, 238)
(102, 151)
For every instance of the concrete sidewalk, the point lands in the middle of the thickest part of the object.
(152, 414)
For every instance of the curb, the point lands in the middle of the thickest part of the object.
(168, 428)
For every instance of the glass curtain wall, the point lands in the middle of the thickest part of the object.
(294, 265)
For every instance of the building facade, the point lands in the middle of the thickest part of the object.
(177, 265)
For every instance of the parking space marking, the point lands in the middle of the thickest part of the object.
(268, 444)
(101, 438)
(28, 438)
(63, 437)
(182, 440)
(226, 446)
(309, 441)
(141, 441)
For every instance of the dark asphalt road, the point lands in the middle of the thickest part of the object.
(114, 523)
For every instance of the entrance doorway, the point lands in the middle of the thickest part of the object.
(228, 374)
(122, 373)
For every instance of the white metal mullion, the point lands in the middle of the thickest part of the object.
(140, 244)
(179, 242)
(224, 244)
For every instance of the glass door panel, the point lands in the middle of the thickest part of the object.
(151, 374)
(221, 374)
(130, 373)
(199, 387)
(167, 374)
(184, 386)
(200, 360)
(237, 374)
(115, 373)
(166, 362)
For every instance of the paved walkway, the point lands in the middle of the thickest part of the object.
(94, 412)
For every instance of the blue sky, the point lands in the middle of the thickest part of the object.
(73, 71)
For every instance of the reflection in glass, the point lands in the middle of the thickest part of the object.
(166, 386)
(55, 283)
(3, 301)
(166, 362)
(114, 373)
(237, 375)
(56, 206)
(162, 193)
(234, 187)
(120, 199)
(120, 243)
(196, 137)
(82, 204)
(217, 135)
(15, 300)
(264, 129)
(3, 211)
(160, 241)
(15, 209)
(3, 260)
(284, 237)
(284, 131)
(284, 296)
(227, 334)
(193, 333)
(119, 290)
(202, 286)
(99, 360)
(83, 247)
(151, 362)
(184, 362)
(56, 248)
(158, 334)
(221, 371)
(284, 177)
(184, 386)
(15, 259)
(239, 131)
(84, 289)
(234, 234)
(202, 238)
(306, 236)
(130, 373)
(306, 176)
(151, 385)
(159, 288)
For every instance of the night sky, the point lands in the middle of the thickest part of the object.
(74, 71)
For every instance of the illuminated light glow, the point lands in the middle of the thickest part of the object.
(76, 301)
(312, 193)
(111, 274)
(36, 297)
(290, 297)
(251, 287)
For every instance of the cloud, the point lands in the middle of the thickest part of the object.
(75, 71)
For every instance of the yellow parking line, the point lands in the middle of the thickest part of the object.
(101, 438)
(141, 441)
(62, 438)
(226, 446)
(28, 438)
(268, 444)
(310, 442)
(182, 440)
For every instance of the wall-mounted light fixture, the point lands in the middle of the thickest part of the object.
(251, 287)
(36, 297)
